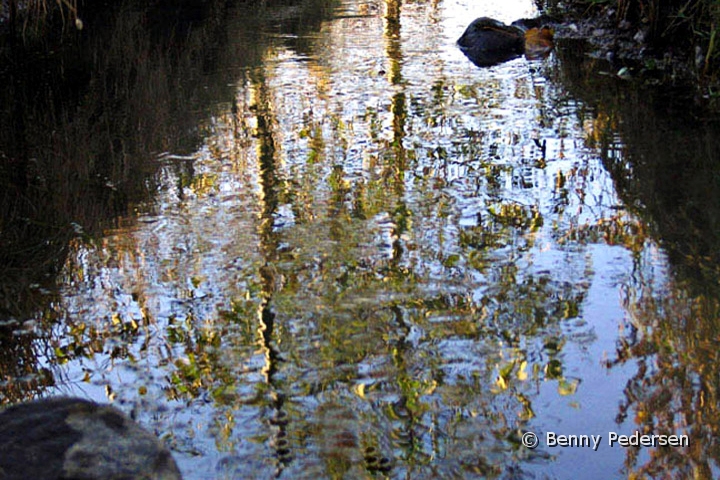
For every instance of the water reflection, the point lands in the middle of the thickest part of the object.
(664, 170)
(380, 260)
(82, 125)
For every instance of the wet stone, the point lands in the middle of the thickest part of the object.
(73, 438)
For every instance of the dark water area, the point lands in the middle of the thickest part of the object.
(667, 173)
(311, 239)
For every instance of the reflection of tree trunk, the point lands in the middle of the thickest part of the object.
(399, 114)
(392, 38)
(401, 215)
(269, 182)
(393, 51)
(269, 201)
(404, 408)
(268, 168)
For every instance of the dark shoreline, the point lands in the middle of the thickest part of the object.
(642, 50)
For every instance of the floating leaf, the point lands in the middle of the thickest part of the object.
(568, 387)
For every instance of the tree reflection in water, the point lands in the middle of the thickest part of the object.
(381, 261)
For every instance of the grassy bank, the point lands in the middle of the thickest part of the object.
(33, 18)
(680, 39)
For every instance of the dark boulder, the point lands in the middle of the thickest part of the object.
(70, 438)
(487, 41)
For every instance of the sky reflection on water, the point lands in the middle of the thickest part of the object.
(382, 261)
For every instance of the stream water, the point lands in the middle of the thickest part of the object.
(366, 257)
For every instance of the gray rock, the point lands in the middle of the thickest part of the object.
(71, 438)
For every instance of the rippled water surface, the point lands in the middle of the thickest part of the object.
(383, 261)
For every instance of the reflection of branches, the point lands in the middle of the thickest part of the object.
(74, 146)
(663, 163)
(20, 377)
(675, 389)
